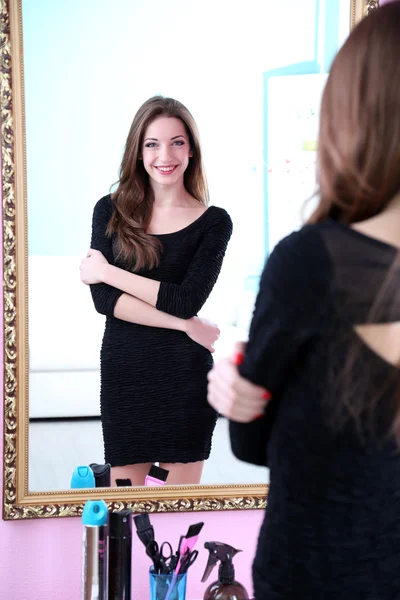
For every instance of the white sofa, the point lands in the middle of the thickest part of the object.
(65, 334)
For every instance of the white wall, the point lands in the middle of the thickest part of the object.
(89, 64)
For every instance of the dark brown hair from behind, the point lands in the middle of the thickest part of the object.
(358, 164)
(133, 198)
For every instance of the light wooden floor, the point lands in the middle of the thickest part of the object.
(56, 448)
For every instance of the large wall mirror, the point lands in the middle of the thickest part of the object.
(73, 74)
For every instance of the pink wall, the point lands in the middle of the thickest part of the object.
(41, 559)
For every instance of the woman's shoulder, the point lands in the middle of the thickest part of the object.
(105, 204)
(306, 242)
(302, 256)
(219, 216)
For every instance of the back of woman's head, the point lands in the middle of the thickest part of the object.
(359, 138)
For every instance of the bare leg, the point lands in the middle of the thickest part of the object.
(184, 473)
(136, 473)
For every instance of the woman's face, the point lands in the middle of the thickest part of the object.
(166, 151)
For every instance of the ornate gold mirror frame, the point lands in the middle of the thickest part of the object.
(18, 502)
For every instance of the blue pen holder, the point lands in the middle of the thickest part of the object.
(159, 586)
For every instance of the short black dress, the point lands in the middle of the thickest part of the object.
(154, 381)
(332, 524)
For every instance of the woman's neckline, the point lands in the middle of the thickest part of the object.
(365, 236)
(183, 228)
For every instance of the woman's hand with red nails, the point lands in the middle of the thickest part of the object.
(238, 353)
(231, 395)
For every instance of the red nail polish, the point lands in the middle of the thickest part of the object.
(238, 358)
(267, 395)
(259, 416)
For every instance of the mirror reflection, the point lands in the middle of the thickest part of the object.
(118, 371)
(155, 256)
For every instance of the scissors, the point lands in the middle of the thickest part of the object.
(187, 560)
(163, 561)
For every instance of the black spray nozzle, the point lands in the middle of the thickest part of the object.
(224, 553)
(120, 524)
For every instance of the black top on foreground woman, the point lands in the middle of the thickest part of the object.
(325, 341)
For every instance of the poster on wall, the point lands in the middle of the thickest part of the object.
(292, 131)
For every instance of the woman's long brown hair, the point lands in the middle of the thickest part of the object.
(133, 198)
(358, 166)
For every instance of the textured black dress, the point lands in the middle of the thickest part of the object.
(154, 381)
(332, 524)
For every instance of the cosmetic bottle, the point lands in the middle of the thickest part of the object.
(225, 588)
(82, 477)
(94, 567)
(120, 555)
(102, 474)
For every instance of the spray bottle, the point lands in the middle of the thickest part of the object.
(94, 568)
(225, 588)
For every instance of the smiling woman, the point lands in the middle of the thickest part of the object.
(170, 152)
(154, 377)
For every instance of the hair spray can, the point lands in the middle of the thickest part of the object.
(119, 558)
(94, 568)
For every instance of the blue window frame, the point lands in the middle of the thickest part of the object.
(327, 15)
